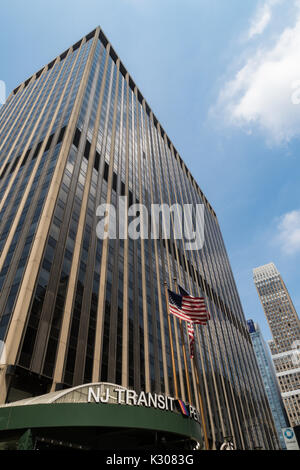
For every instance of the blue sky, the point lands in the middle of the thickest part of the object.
(223, 78)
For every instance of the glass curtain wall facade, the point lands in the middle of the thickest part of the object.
(270, 381)
(284, 324)
(76, 309)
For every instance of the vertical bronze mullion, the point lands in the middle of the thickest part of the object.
(171, 160)
(71, 290)
(144, 289)
(136, 313)
(169, 275)
(68, 312)
(114, 304)
(65, 329)
(171, 340)
(158, 286)
(184, 351)
(105, 247)
(125, 326)
(85, 320)
(176, 264)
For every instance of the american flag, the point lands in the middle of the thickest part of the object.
(175, 306)
(199, 314)
(187, 307)
(190, 309)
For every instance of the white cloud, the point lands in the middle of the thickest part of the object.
(262, 18)
(265, 89)
(289, 232)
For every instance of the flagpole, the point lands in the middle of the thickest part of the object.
(171, 341)
(184, 352)
(196, 369)
(197, 375)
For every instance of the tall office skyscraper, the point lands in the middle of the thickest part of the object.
(285, 328)
(76, 308)
(269, 378)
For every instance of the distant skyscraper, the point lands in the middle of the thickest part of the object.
(285, 328)
(268, 375)
(76, 308)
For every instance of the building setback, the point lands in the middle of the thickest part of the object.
(285, 328)
(268, 375)
(76, 309)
